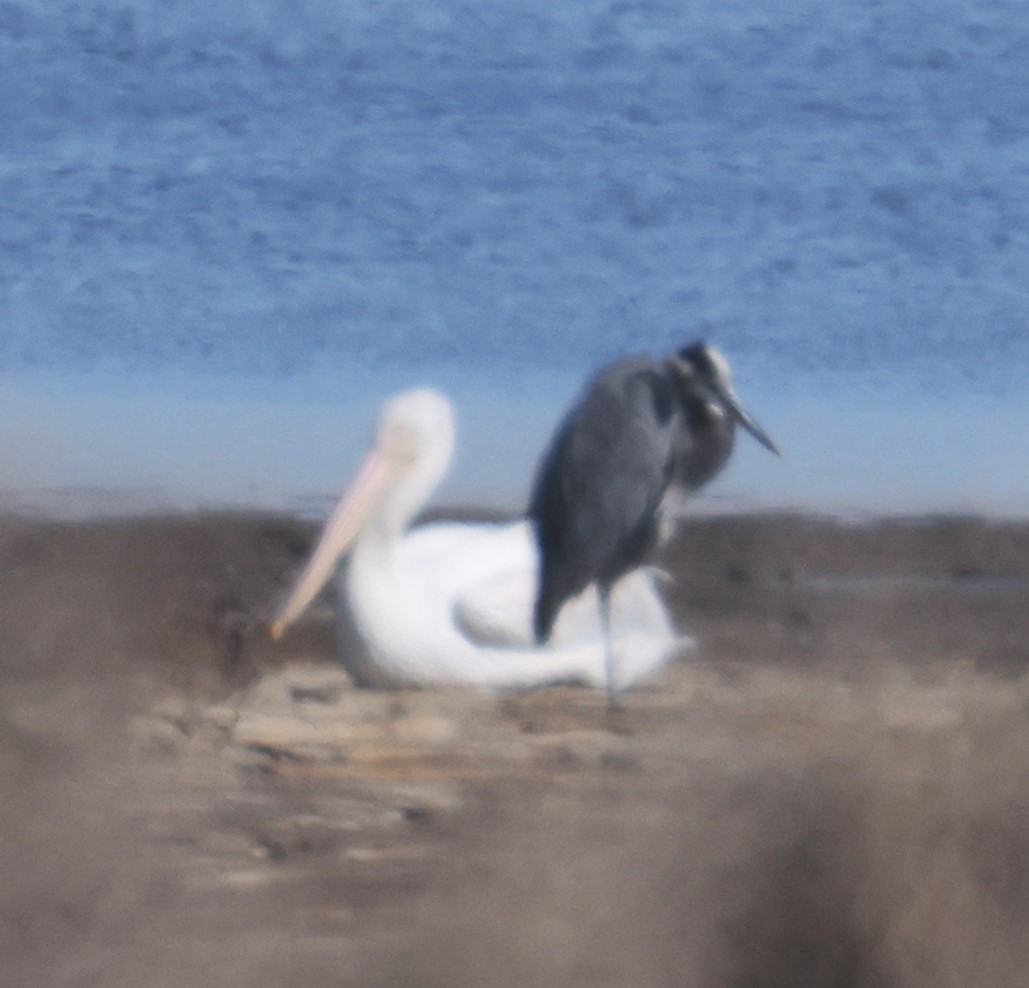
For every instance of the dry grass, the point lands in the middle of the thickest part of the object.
(834, 792)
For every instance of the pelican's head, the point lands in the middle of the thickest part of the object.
(704, 370)
(414, 441)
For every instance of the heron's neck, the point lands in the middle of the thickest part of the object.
(712, 435)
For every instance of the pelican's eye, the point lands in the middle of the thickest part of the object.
(414, 425)
(403, 442)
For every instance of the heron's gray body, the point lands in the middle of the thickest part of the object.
(643, 428)
(598, 494)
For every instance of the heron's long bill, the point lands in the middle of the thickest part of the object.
(339, 533)
(742, 416)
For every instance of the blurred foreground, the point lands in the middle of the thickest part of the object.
(833, 790)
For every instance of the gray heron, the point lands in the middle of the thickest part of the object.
(643, 429)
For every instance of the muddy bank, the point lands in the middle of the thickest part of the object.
(829, 791)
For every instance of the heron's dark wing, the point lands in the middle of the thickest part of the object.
(599, 486)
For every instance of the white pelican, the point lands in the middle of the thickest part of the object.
(452, 603)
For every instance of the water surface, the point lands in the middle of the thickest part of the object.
(228, 233)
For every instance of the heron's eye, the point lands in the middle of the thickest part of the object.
(709, 368)
(716, 370)
(709, 364)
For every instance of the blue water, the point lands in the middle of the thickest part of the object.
(228, 231)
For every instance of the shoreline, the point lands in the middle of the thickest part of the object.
(84, 504)
(178, 582)
(186, 799)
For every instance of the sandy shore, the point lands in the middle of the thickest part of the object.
(833, 790)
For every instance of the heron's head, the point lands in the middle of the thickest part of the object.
(705, 373)
(706, 365)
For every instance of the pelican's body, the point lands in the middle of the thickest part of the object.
(452, 603)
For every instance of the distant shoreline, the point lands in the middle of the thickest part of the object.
(75, 504)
